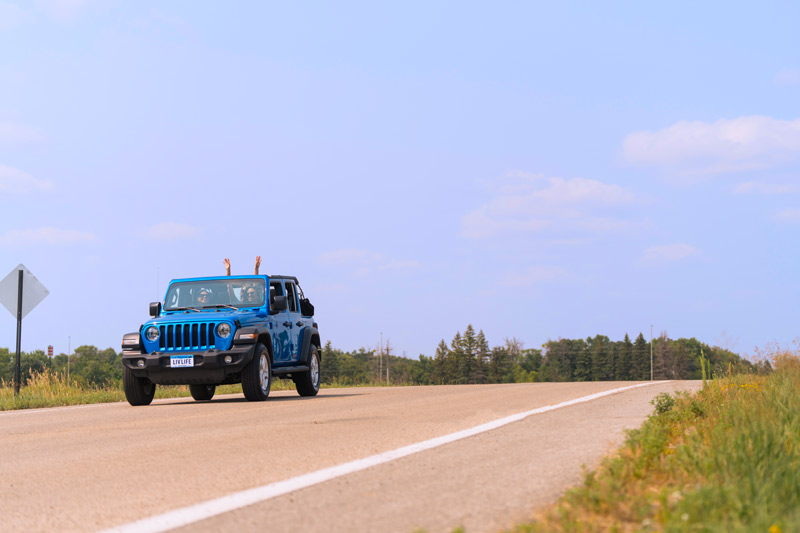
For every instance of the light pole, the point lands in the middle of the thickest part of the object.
(651, 352)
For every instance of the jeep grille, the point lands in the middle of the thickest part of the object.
(177, 337)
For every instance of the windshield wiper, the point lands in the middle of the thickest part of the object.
(220, 306)
(184, 309)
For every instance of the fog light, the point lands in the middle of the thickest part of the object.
(228, 359)
(140, 363)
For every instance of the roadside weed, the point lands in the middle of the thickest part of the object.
(723, 459)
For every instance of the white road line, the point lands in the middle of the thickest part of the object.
(201, 511)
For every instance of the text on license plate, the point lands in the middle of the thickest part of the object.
(178, 361)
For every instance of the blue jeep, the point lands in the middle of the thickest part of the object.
(227, 329)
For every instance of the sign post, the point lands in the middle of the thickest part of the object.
(19, 303)
(17, 376)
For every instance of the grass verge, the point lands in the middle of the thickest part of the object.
(725, 459)
(48, 389)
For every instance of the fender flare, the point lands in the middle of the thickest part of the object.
(309, 334)
(262, 335)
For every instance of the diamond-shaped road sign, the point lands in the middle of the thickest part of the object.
(33, 292)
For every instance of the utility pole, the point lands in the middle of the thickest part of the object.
(69, 351)
(380, 358)
(651, 352)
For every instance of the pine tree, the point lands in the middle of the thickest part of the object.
(662, 357)
(329, 364)
(454, 366)
(500, 369)
(479, 374)
(641, 359)
(483, 347)
(624, 368)
(439, 370)
(469, 348)
(611, 361)
(583, 366)
(599, 347)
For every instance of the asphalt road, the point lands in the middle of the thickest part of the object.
(95, 467)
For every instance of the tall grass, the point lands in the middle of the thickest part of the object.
(51, 389)
(724, 459)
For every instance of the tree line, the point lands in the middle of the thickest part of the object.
(468, 358)
(87, 365)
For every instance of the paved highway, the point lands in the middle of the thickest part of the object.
(91, 468)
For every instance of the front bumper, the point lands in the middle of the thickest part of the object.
(209, 367)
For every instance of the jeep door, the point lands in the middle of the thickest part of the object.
(294, 320)
(281, 334)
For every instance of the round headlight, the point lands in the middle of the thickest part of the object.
(151, 333)
(223, 329)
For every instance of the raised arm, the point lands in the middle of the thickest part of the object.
(227, 263)
(258, 264)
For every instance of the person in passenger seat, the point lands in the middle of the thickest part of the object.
(251, 296)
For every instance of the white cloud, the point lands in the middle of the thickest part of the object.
(669, 253)
(727, 145)
(46, 235)
(788, 215)
(15, 181)
(167, 231)
(526, 203)
(17, 133)
(533, 275)
(363, 262)
(757, 187)
(787, 76)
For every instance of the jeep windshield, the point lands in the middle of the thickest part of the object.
(215, 294)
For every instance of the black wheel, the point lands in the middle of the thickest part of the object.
(202, 392)
(138, 391)
(257, 375)
(307, 382)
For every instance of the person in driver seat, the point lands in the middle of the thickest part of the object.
(203, 298)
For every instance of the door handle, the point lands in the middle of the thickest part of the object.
(287, 324)
(299, 324)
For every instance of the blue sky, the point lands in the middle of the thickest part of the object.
(537, 170)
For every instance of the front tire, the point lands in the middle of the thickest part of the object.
(202, 392)
(307, 383)
(257, 375)
(138, 391)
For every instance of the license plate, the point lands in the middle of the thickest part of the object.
(181, 361)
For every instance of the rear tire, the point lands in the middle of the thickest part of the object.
(202, 392)
(307, 383)
(138, 391)
(257, 375)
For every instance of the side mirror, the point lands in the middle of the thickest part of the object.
(155, 309)
(278, 304)
(306, 309)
